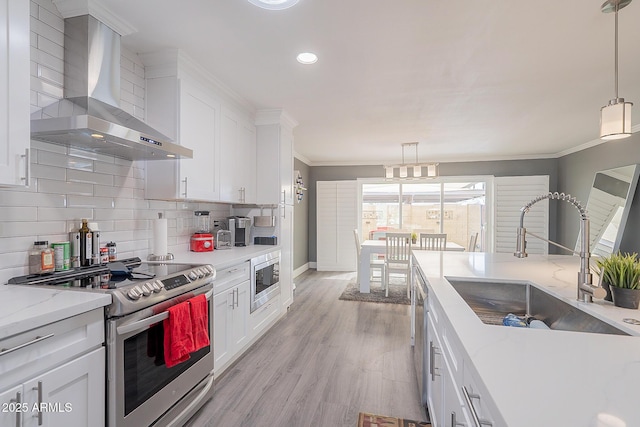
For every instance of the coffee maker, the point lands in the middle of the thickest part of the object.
(240, 227)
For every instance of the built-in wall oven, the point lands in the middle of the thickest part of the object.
(141, 389)
(265, 278)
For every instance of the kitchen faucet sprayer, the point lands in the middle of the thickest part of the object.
(586, 291)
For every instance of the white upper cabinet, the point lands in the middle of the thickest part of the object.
(238, 158)
(274, 133)
(14, 93)
(181, 105)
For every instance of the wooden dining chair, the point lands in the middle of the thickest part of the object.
(433, 241)
(398, 258)
(374, 264)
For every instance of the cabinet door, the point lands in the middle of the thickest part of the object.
(455, 411)
(222, 318)
(247, 165)
(436, 369)
(286, 256)
(286, 166)
(13, 407)
(240, 316)
(71, 395)
(199, 118)
(14, 92)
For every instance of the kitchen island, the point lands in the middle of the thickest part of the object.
(533, 377)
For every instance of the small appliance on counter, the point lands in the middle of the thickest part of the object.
(273, 240)
(240, 228)
(264, 220)
(202, 240)
(223, 239)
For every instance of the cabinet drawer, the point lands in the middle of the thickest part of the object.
(264, 315)
(41, 349)
(228, 277)
(477, 401)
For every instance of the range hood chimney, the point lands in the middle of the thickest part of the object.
(89, 117)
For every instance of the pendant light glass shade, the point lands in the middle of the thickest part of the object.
(615, 117)
(615, 120)
(410, 171)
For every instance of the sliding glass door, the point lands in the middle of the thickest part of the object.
(456, 207)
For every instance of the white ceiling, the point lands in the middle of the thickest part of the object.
(469, 80)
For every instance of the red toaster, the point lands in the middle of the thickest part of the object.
(201, 242)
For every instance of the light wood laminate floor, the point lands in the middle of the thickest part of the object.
(321, 364)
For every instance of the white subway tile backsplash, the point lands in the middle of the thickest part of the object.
(39, 146)
(113, 169)
(83, 154)
(63, 214)
(50, 46)
(14, 259)
(31, 228)
(48, 172)
(61, 159)
(11, 244)
(102, 214)
(104, 191)
(33, 9)
(138, 204)
(53, 76)
(54, 35)
(12, 197)
(74, 201)
(128, 182)
(89, 177)
(59, 187)
(16, 213)
(47, 59)
(54, 20)
(45, 87)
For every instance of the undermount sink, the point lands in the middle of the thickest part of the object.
(491, 301)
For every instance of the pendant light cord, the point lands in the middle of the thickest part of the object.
(616, 51)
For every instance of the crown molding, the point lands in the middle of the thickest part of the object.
(70, 8)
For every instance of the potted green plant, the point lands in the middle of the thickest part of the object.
(621, 272)
(414, 238)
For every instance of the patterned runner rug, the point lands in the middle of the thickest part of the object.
(372, 420)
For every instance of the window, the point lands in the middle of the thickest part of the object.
(456, 207)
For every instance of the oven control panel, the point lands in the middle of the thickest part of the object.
(168, 283)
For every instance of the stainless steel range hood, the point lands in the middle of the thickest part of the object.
(89, 117)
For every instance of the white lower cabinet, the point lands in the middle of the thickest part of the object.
(451, 375)
(55, 374)
(230, 315)
(71, 395)
(263, 316)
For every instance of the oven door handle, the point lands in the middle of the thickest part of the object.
(148, 321)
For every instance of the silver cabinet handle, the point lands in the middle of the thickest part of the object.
(432, 360)
(18, 401)
(454, 420)
(237, 291)
(474, 414)
(39, 388)
(26, 167)
(18, 347)
(185, 186)
(233, 299)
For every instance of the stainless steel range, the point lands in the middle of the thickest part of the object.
(141, 389)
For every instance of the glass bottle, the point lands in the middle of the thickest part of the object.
(86, 238)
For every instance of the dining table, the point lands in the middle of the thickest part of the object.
(378, 247)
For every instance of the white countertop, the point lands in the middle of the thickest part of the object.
(543, 377)
(23, 308)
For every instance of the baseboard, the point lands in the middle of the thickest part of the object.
(298, 271)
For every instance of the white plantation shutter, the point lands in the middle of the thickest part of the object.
(511, 194)
(337, 216)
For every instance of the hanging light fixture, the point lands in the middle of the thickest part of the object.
(615, 117)
(410, 170)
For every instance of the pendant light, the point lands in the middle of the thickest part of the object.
(615, 117)
(415, 168)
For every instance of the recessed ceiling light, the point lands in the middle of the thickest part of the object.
(97, 136)
(274, 4)
(307, 58)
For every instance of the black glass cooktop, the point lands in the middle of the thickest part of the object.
(111, 275)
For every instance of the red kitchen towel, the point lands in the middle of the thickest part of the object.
(178, 334)
(200, 321)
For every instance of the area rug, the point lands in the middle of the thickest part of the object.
(397, 293)
(372, 420)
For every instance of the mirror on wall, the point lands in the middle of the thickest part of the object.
(608, 208)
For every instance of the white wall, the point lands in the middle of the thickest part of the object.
(69, 184)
